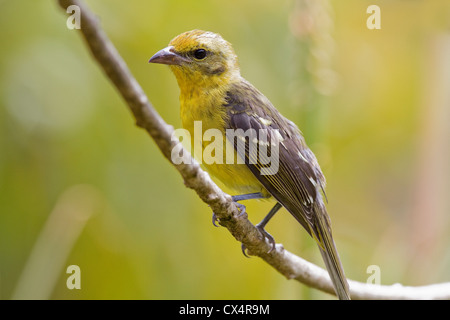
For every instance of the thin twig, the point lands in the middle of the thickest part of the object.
(288, 264)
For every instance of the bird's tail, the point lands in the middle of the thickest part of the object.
(331, 257)
(334, 267)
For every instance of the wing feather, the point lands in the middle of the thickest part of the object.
(298, 182)
(295, 183)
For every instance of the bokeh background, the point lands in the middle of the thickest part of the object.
(81, 185)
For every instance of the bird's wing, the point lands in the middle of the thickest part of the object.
(297, 180)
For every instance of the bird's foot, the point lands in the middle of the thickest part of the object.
(265, 236)
(242, 213)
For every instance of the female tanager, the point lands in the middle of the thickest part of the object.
(214, 92)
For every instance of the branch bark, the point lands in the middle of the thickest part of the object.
(288, 264)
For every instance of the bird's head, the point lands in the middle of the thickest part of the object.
(199, 57)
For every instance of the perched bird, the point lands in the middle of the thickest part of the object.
(213, 91)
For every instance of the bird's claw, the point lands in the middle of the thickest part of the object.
(242, 213)
(241, 208)
(214, 220)
(244, 248)
(265, 235)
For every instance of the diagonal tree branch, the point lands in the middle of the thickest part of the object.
(288, 264)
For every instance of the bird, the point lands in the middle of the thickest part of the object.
(213, 92)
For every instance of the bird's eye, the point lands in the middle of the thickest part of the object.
(200, 54)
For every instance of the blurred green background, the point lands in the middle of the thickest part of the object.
(80, 184)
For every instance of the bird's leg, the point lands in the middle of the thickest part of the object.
(260, 226)
(248, 196)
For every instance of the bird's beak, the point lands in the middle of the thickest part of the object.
(168, 56)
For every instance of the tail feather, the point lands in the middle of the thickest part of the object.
(336, 272)
(330, 255)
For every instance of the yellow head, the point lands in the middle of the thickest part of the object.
(199, 58)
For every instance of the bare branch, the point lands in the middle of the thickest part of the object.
(288, 264)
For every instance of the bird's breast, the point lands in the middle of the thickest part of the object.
(204, 116)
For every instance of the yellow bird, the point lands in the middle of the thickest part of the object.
(213, 91)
